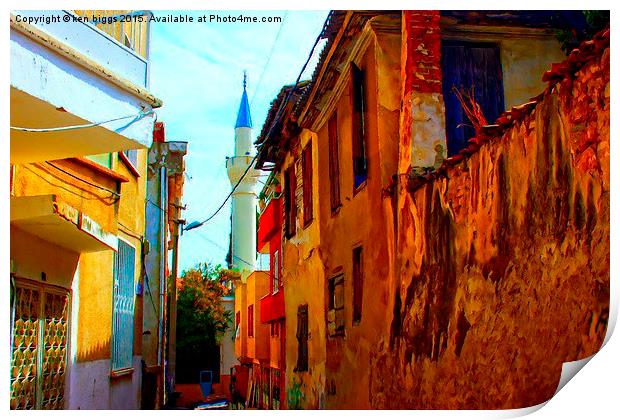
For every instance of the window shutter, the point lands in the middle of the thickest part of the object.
(123, 309)
(307, 183)
(334, 163)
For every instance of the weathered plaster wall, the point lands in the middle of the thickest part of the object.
(89, 367)
(41, 179)
(348, 357)
(504, 261)
(523, 61)
(32, 255)
(304, 282)
(91, 389)
(422, 116)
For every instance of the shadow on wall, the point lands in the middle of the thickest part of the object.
(508, 276)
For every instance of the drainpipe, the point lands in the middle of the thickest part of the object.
(162, 284)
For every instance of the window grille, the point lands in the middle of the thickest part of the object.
(123, 307)
(39, 352)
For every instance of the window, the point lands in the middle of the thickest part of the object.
(334, 164)
(335, 315)
(276, 272)
(360, 170)
(104, 159)
(132, 156)
(358, 284)
(251, 321)
(290, 204)
(307, 183)
(123, 309)
(466, 66)
(302, 339)
(237, 323)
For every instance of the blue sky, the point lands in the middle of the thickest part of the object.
(197, 70)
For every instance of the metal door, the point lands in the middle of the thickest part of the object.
(39, 353)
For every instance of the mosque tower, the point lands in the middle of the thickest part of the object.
(244, 201)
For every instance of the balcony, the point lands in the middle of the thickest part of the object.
(269, 224)
(73, 73)
(272, 307)
(56, 222)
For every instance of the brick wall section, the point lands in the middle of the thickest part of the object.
(423, 62)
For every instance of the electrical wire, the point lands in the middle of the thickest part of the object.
(89, 125)
(273, 47)
(114, 193)
(206, 238)
(269, 133)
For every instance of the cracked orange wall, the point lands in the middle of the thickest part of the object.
(304, 280)
(504, 262)
(364, 219)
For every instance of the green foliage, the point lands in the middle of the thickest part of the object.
(201, 318)
(596, 20)
(295, 396)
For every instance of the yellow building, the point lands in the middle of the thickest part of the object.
(81, 123)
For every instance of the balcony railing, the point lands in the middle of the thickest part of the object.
(129, 28)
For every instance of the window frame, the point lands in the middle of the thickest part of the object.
(358, 284)
(359, 128)
(334, 162)
(333, 282)
(306, 164)
(118, 357)
(290, 202)
(275, 283)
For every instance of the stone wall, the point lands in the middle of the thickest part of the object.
(503, 254)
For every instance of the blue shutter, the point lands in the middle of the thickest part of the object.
(123, 310)
(463, 65)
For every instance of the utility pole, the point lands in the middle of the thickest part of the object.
(172, 338)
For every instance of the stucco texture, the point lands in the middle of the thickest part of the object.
(504, 261)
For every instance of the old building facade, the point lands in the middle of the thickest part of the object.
(399, 237)
(82, 121)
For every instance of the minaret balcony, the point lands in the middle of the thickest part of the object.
(236, 167)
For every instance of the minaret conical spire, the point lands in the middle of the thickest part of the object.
(244, 119)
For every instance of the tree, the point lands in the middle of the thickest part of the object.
(201, 319)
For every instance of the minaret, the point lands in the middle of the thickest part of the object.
(244, 197)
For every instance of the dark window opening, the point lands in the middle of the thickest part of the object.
(358, 284)
(334, 163)
(467, 65)
(360, 164)
(302, 339)
(307, 183)
(251, 321)
(290, 204)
